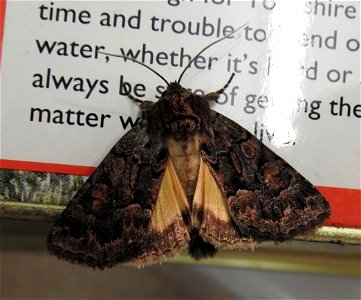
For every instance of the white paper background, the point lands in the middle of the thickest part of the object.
(326, 151)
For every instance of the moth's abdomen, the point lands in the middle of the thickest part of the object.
(185, 157)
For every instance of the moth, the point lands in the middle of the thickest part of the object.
(184, 177)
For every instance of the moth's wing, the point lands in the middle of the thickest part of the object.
(121, 215)
(210, 215)
(267, 199)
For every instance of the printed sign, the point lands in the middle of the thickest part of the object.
(64, 103)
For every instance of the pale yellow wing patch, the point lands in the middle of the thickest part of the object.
(171, 204)
(211, 216)
(172, 219)
(168, 233)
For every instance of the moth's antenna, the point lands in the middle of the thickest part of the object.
(136, 61)
(205, 48)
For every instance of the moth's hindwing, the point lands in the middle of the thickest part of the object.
(211, 216)
(116, 217)
(266, 198)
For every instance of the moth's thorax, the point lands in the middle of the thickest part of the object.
(185, 157)
(180, 113)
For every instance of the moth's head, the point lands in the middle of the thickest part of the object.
(183, 113)
(179, 113)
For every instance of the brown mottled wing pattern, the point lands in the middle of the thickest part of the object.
(267, 198)
(108, 220)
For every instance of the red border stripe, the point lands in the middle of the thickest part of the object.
(345, 203)
(45, 167)
(2, 22)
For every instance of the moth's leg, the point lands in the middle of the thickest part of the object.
(131, 97)
(144, 104)
(213, 96)
(220, 91)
